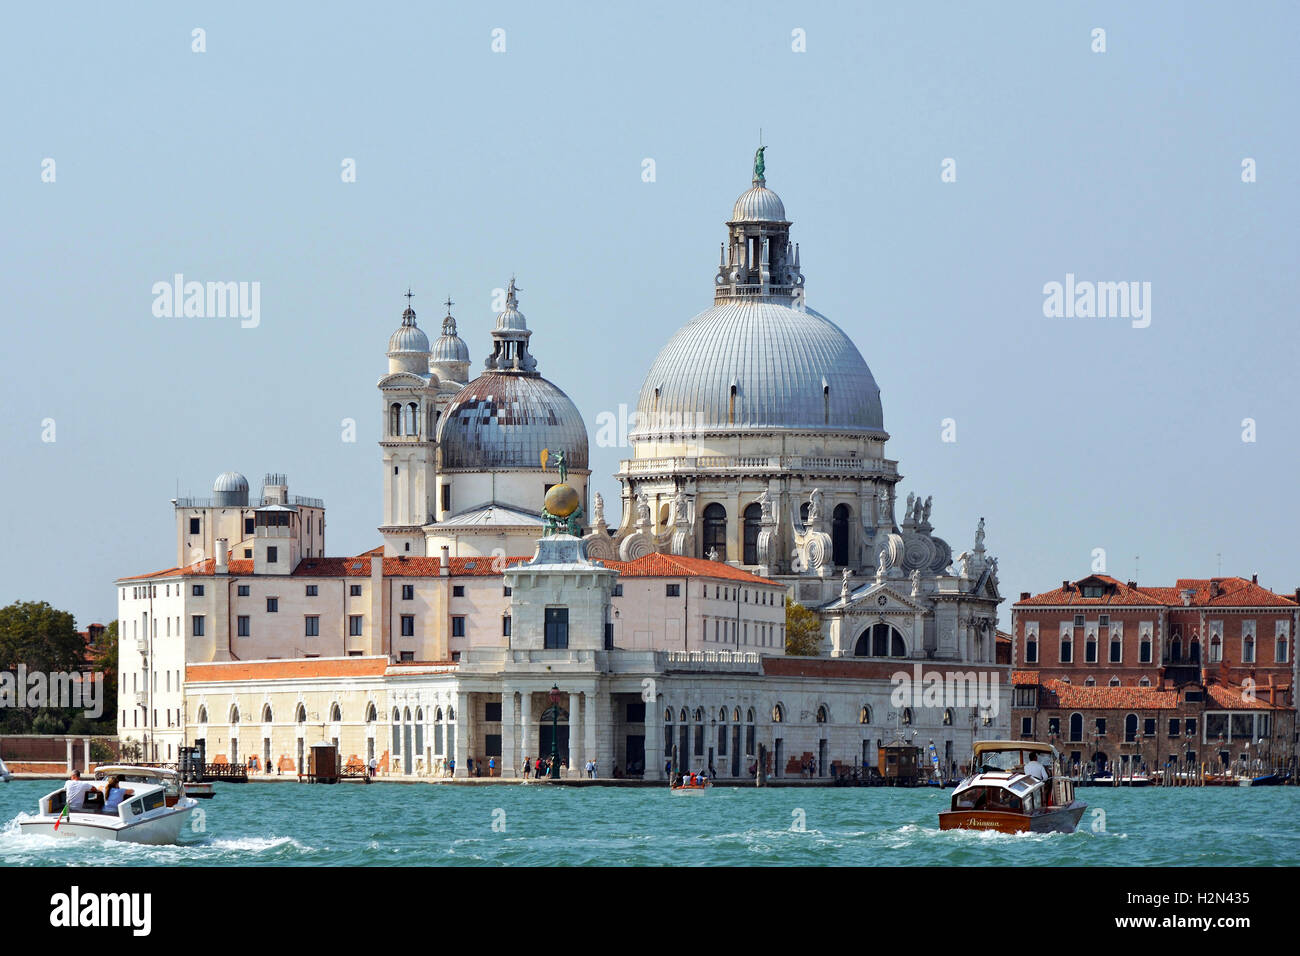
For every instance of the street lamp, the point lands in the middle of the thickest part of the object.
(556, 697)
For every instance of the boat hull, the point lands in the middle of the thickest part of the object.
(161, 830)
(1054, 820)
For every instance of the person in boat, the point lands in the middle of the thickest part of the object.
(1035, 769)
(114, 795)
(76, 789)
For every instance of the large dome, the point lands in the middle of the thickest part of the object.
(790, 368)
(503, 420)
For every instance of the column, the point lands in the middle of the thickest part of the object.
(654, 745)
(85, 749)
(508, 756)
(576, 755)
(462, 734)
(604, 736)
(69, 743)
(589, 733)
(526, 733)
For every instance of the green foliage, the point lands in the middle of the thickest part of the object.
(803, 630)
(44, 639)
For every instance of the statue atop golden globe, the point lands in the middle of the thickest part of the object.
(562, 508)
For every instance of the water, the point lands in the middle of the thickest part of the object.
(417, 825)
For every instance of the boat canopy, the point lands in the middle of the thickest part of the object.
(127, 770)
(984, 746)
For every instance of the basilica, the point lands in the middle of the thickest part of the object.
(648, 634)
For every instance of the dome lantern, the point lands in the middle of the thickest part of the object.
(408, 347)
(757, 259)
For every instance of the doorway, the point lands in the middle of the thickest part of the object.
(778, 751)
(562, 741)
(735, 750)
(635, 754)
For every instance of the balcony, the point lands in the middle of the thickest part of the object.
(746, 464)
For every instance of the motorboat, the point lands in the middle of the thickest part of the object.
(691, 784)
(171, 781)
(5, 775)
(149, 814)
(1016, 787)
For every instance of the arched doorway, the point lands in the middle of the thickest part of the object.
(880, 640)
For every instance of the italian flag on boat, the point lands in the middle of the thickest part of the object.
(62, 813)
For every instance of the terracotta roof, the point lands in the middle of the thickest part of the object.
(1228, 697)
(1233, 592)
(287, 670)
(1058, 693)
(1024, 678)
(676, 565)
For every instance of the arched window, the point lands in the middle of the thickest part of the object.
(1090, 681)
(683, 716)
(823, 715)
(880, 640)
(1144, 650)
(1176, 649)
(266, 714)
(1076, 727)
(715, 531)
(300, 715)
(437, 715)
(234, 713)
(419, 715)
(203, 715)
(1194, 651)
(840, 535)
(668, 715)
(397, 716)
(412, 419)
(1090, 650)
(907, 716)
(336, 714)
(1131, 728)
(753, 523)
(947, 717)
(864, 715)
(699, 715)
(371, 713)
(1031, 648)
(451, 713)
(1248, 649)
(803, 513)
(749, 716)
(735, 715)
(1067, 648)
(395, 419)
(1216, 649)
(406, 715)
(722, 716)
(778, 714)
(1115, 682)
(1145, 682)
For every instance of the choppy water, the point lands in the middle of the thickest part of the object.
(393, 824)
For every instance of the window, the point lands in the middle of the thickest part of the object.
(248, 526)
(407, 656)
(840, 535)
(355, 590)
(1190, 725)
(618, 590)
(458, 626)
(556, 628)
(241, 629)
(272, 555)
(1067, 649)
(1031, 649)
(408, 625)
(408, 592)
(1148, 727)
(1104, 620)
(1216, 649)
(1076, 727)
(272, 605)
(458, 590)
(880, 640)
(354, 625)
(248, 552)
(446, 497)
(1248, 649)
(492, 712)
(194, 526)
(507, 590)
(313, 625)
(197, 625)
(1101, 725)
(1054, 726)
(673, 590)
(1144, 650)
(505, 625)
(1090, 650)
(241, 590)
(1026, 726)
(715, 531)
(1116, 650)
(1078, 620)
(196, 590)
(312, 590)
(1175, 725)
(753, 519)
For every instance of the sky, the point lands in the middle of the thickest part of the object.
(128, 156)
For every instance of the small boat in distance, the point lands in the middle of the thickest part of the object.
(148, 814)
(692, 783)
(1016, 786)
(4, 772)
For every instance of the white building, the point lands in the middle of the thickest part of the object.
(758, 472)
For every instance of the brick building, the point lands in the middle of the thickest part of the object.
(1199, 673)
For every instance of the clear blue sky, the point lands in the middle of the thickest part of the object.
(1073, 434)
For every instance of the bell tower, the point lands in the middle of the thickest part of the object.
(408, 446)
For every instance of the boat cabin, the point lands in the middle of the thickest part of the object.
(1018, 776)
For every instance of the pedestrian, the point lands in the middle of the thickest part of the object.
(492, 766)
(470, 764)
(593, 769)
(371, 767)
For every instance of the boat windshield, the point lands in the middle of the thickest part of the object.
(1006, 760)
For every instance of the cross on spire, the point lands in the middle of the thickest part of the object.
(449, 304)
(409, 295)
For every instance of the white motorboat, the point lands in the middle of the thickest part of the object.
(149, 814)
(4, 773)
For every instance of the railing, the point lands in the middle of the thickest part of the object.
(714, 660)
(762, 463)
(295, 500)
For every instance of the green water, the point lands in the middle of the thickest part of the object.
(393, 824)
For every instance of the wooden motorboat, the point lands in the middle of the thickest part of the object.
(690, 784)
(1016, 787)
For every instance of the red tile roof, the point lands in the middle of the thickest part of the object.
(1024, 678)
(288, 669)
(1061, 694)
(1228, 697)
(676, 565)
(1231, 592)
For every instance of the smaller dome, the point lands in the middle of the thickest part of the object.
(408, 337)
(758, 204)
(511, 320)
(450, 347)
(230, 481)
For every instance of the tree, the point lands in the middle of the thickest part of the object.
(104, 661)
(43, 640)
(803, 630)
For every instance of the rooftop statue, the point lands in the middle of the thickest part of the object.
(758, 164)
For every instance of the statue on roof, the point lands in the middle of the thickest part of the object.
(758, 164)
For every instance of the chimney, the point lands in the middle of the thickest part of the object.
(1024, 595)
(1189, 593)
(1254, 579)
(1214, 588)
(444, 564)
(1132, 585)
(221, 566)
(1065, 585)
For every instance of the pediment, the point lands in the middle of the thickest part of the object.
(880, 598)
(407, 380)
